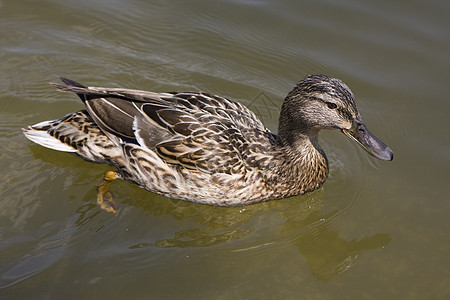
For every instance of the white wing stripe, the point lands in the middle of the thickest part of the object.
(116, 107)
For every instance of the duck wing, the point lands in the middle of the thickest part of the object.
(194, 130)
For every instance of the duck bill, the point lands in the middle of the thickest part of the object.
(368, 141)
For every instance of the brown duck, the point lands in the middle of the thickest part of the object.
(204, 148)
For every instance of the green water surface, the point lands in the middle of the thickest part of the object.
(375, 230)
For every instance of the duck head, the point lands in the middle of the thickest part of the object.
(322, 102)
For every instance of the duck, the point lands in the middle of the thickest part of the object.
(204, 148)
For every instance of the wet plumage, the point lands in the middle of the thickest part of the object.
(204, 148)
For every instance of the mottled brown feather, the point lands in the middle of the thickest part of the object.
(205, 148)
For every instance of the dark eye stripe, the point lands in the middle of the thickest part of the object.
(345, 114)
(331, 105)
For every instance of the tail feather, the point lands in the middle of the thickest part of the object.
(76, 133)
(39, 134)
(70, 82)
(77, 88)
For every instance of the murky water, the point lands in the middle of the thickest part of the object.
(375, 230)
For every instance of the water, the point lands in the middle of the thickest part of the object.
(375, 230)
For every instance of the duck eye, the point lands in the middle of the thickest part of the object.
(331, 105)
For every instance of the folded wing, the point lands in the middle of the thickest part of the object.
(193, 130)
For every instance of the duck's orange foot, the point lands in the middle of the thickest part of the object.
(104, 197)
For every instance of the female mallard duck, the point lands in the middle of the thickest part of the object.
(205, 148)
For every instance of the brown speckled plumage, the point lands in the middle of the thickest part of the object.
(205, 148)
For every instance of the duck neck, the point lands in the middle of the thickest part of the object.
(305, 165)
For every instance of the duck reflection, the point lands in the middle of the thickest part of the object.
(325, 251)
(298, 222)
